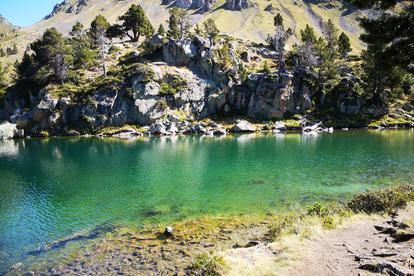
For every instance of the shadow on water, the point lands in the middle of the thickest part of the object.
(95, 233)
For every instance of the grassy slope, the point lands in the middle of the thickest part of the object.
(253, 23)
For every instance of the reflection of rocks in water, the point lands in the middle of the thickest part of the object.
(280, 136)
(9, 148)
(245, 137)
(310, 139)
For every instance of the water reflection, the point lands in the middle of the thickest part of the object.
(10, 148)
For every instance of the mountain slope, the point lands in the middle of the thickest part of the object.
(253, 23)
(6, 26)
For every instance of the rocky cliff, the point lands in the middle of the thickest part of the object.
(199, 5)
(237, 5)
(194, 80)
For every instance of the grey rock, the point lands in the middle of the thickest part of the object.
(237, 5)
(243, 126)
(158, 128)
(169, 231)
(220, 131)
(7, 131)
(279, 125)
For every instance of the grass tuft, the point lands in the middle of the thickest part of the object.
(208, 265)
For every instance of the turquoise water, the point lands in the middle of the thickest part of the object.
(50, 189)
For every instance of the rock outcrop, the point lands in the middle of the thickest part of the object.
(200, 5)
(193, 83)
(237, 5)
(68, 6)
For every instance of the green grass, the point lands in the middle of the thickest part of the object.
(208, 265)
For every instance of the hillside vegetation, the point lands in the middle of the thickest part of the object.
(254, 23)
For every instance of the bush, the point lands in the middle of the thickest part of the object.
(317, 209)
(173, 85)
(385, 200)
(208, 265)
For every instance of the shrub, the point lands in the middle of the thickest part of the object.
(317, 209)
(385, 200)
(173, 85)
(328, 223)
(208, 265)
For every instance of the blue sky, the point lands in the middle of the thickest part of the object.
(26, 12)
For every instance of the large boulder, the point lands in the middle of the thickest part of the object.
(243, 126)
(8, 131)
(179, 53)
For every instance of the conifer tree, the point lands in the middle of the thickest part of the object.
(135, 23)
(344, 45)
(211, 30)
(278, 40)
(161, 30)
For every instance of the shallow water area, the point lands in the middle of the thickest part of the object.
(53, 188)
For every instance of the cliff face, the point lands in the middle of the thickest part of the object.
(199, 5)
(6, 26)
(68, 6)
(237, 5)
(192, 84)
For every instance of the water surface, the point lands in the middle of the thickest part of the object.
(52, 188)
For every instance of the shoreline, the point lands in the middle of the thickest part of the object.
(226, 240)
(219, 130)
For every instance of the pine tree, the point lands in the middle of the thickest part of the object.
(308, 35)
(344, 45)
(77, 30)
(278, 40)
(135, 23)
(161, 30)
(211, 30)
(98, 30)
(178, 24)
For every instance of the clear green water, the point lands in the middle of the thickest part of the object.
(50, 189)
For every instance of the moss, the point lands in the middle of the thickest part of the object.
(172, 85)
(387, 120)
(385, 200)
(44, 133)
(208, 265)
(114, 130)
(291, 123)
(137, 69)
